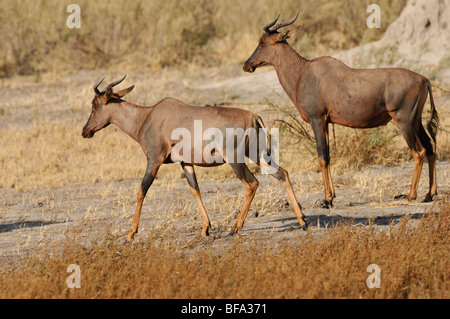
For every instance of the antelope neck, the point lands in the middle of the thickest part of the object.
(129, 117)
(289, 65)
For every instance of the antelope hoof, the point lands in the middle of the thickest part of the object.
(305, 226)
(205, 233)
(130, 237)
(429, 198)
(327, 204)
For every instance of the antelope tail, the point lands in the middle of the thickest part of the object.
(260, 123)
(433, 123)
(268, 157)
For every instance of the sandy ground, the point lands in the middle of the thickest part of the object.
(32, 220)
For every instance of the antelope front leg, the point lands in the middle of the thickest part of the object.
(149, 177)
(137, 215)
(320, 129)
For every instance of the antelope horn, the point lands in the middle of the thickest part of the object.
(96, 87)
(283, 24)
(266, 28)
(113, 84)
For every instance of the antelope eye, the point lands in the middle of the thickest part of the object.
(95, 104)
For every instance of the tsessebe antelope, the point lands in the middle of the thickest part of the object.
(152, 127)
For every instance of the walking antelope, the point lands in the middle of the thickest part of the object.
(152, 127)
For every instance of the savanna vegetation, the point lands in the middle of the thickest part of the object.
(153, 34)
(413, 257)
(46, 75)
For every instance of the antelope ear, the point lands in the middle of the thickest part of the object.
(108, 95)
(288, 34)
(123, 92)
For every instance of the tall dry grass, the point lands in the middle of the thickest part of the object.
(413, 257)
(153, 34)
(54, 154)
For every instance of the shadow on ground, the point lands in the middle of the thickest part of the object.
(24, 224)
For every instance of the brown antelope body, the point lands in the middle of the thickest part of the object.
(152, 128)
(324, 90)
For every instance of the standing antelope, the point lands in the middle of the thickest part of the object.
(152, 128)
(324, 90)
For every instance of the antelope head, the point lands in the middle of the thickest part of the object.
(101, 114)
(271, 38)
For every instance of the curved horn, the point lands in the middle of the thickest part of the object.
(96, 87)
(283, 24)
(266, 28)
(115, 83)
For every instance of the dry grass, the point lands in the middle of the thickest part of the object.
(54, 154)
(413, 257)
(137, 34)
(46, 168)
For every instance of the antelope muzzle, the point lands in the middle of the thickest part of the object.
(250, 65)
(249, 68)
(88, 132)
